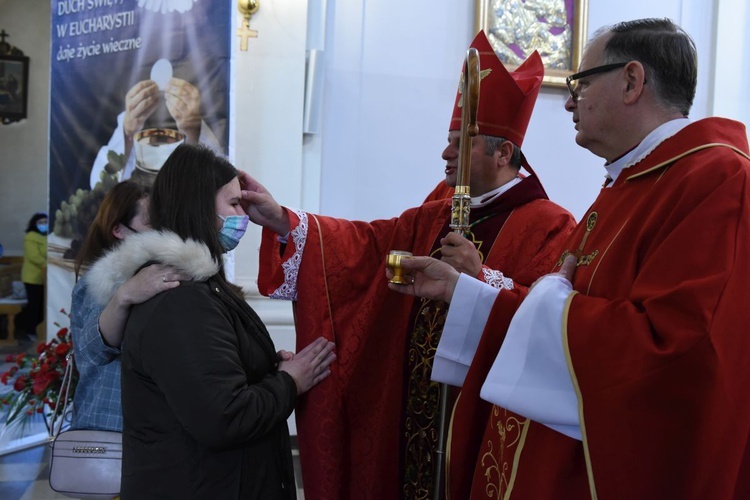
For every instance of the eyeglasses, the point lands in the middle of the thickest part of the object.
(593, 71)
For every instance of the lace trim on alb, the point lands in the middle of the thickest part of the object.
(288, 290)
(496, 279)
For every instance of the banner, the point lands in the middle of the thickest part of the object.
(130, 81)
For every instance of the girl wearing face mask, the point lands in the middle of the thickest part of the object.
(205, 395)
(34, 276)
(97, 321)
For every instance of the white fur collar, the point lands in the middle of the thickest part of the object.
(119, 264)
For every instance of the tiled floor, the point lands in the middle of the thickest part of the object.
(24, 474)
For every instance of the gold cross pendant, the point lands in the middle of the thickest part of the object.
(244, 32)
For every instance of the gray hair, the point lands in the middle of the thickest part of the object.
(492, 143)
(667, 53)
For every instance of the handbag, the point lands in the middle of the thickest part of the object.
(85, 463)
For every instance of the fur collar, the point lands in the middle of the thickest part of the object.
(120, 264)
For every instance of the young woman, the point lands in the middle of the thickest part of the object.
(205, 395)
(33, 275)
(98, 322)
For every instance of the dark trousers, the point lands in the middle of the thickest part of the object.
(33, 312)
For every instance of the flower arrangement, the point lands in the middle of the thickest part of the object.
(37, 380)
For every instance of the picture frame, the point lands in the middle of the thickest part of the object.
(556, 28)
(14, 88)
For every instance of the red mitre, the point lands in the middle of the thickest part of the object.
(506, 100)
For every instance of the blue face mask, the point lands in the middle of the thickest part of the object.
(232, 230)
(43, 228)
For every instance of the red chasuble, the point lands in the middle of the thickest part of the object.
(349, 426)
(656, 336)
(441, 191)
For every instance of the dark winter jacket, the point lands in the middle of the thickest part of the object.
(204, 405)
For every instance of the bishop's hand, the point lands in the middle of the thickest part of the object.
(461, 253)
(260, 206)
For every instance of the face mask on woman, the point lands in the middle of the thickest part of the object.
(43, 228)
(232, 230)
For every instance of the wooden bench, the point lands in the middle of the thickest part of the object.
(10, 307)
(10, 271)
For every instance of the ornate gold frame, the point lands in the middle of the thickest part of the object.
(552, 77)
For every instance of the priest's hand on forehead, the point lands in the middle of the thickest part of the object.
(261, 207)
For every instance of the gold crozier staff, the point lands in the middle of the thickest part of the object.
(459, 223)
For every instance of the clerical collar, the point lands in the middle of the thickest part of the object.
(490, 196)
(642, 150)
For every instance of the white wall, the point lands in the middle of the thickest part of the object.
(731, 68)
(23, 145)
(390, 81)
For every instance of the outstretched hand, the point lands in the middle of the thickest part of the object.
(260, 206)
(310, 365)
(430, 278)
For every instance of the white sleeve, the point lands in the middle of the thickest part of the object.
(467, 317)
(530, 375)
(288, 289)
(117, 144)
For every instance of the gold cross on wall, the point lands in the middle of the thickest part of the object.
(244, 33)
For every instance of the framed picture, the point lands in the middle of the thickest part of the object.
(555, 28)
(14, 87)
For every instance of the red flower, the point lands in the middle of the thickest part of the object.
(41, 383)
(20, 384)
(62, 349)
(36, 379)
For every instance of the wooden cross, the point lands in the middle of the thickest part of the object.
(244, 32)
(3, 36)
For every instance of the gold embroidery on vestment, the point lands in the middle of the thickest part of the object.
(581, 258)
(498, 464)
(422, 401)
